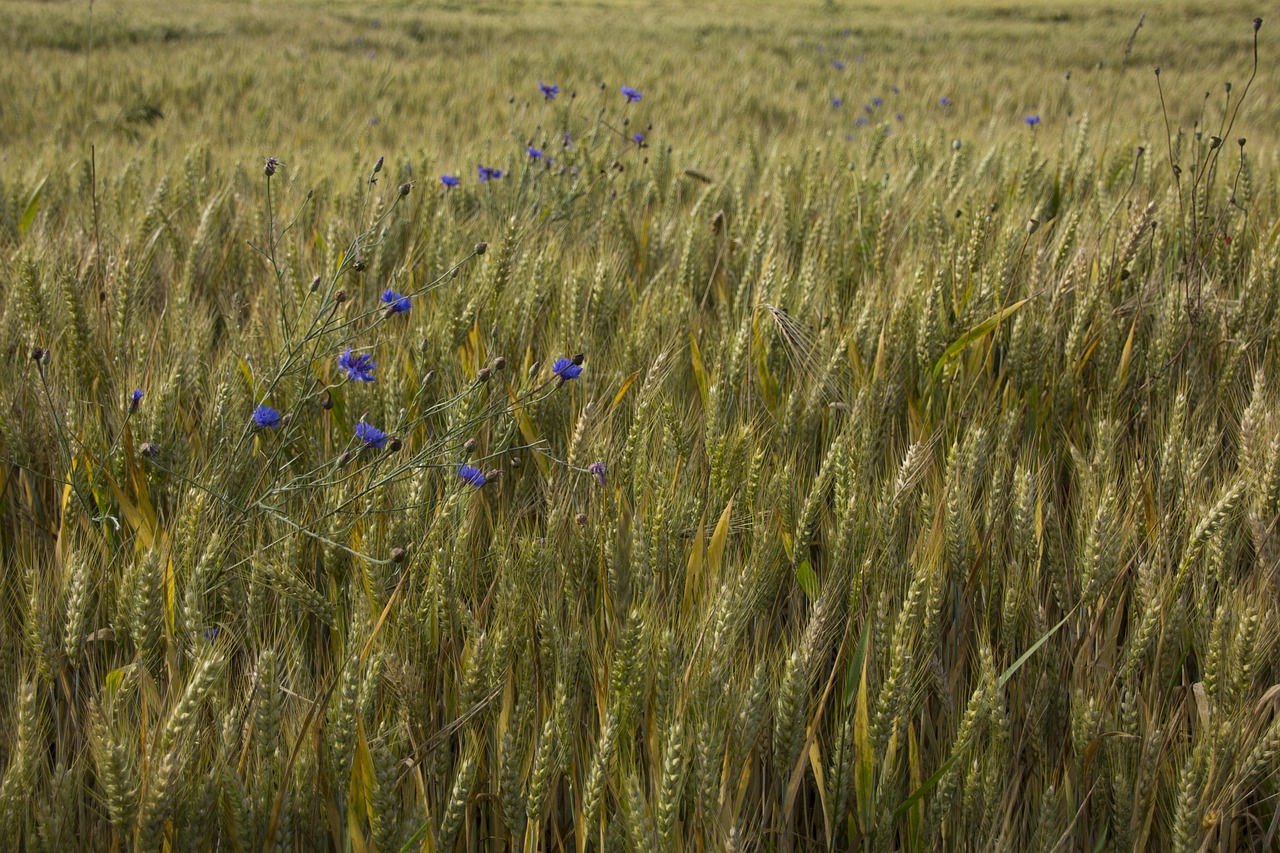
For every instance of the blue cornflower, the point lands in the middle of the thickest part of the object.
(632, 95)
(566, 369)
(566, 140)
(597, 470)
(472, 475)
(875, 102)
(449, 180)
(837, 65)
(895, 90)
(135, 400)
(1032, 121)
(265, 417)
(398, 302)
(837, 102)
(359, 368)
(638, 139)
(534, 153)
(945, 101)
(488, 173)
(549, 91)
(211, 634)
(371, 435)
(899, 116)
(861, 122)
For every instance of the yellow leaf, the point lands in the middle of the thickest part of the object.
(622, 392)
(699, 371)
(715, 551)
(819, 777)
(697, 559)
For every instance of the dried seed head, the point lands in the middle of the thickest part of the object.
(579, 358)
(499, 363)
(1033, 225)
(149, 450)
(470, 446)
(340, 297)
(39, 354)
(484, 374)
(270, 165)
(481, 247)
(394, 445)
(397, 555)
(581, 518)
(358, 266)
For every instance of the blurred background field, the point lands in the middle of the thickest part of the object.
(918, 490)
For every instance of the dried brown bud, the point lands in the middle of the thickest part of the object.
(315, 284)
(397, 555)
(404, 189)
(38, 353)
(484, 374)
(470, 446)
(482, 247)
(581, 518)
(358, 266)
(579, 358)
(1257, 24)
(499, 363)
(394, 445)
(340, 297)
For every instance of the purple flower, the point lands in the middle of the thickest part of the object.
(638, 139)
(597, 471)
(896, 90)
(566, 140)
(135, 400)
(837, 65)
(488, 173)
(566, 369)
(472, 475)
(837, 102)
(265, 417)
(632, 95)
(398, 302)
(862, 121)
(875, 102)
(1032, 121)
(534, 153)
(549, 91)
(449, 180)
(371, 435)
(359, 368)
(945, 101)
(899, 116)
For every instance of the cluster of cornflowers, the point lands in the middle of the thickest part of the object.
(485, 174)
(360, 367)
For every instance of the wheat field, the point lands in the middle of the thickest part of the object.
(577, 426)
